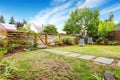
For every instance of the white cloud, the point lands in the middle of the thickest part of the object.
(112, 8)
(92, 3)
(59, 14)
(57, 2)
(52, 15)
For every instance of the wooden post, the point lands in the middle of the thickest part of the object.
(59, 36)
(35, 39)
(6, 38)
(46, 38)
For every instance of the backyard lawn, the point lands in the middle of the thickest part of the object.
(42, 65)
(96, 50)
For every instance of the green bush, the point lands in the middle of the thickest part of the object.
(12, 47)
(112, 42)
(68, 40)
(58, 41)
(31, 47)
(76, 40)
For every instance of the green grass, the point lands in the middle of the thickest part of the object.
(81, 69)
(97, 50)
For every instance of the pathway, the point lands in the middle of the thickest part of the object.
(102, 60)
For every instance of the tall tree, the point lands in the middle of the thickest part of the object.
(82, 19)
(50, 29)
(12, 21)
(2, 20)
(111, 17)
(24, 21)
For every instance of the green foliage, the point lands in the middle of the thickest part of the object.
(117, 72)
(103, 28)
(31, 47)
(97, 77)
(68, 40)
(9, 68)
(76, 40)
(21, 29)
(3, 49)
(13, 70)
(112, 42)
(50, 29)
(12, 47)
(58, 41)
(24, 21)
(82, 17)
(12, 21)
(2, 20)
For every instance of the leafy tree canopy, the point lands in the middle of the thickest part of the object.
(50, 29)
(82, 17)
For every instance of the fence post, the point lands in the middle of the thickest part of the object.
(59, 36)
(46, 38)
(35, 39)
(6, 38)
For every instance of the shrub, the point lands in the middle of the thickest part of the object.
(12, 47)
(58, 41)
(68, 40)
(76, 40)
(112, 42)
(32, 47)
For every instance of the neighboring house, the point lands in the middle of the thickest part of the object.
(8, 27)
(35, 28)
(4, 28)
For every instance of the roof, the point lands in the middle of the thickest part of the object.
(35, 28)
(8, 27)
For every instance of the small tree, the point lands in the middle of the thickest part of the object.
(50, 29)
(103, 28)
(12, 21)
(24, 21)
(2, 20)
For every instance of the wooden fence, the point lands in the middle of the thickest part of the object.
(114, 35)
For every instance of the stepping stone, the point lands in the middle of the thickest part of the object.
(74, 55)
(109, 76)
(42, 46)
(86, 57)
(56, 52)
(104, 60)
(64, 53)
(47, 49)
(118, 63)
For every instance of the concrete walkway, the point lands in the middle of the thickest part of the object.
(101, 60)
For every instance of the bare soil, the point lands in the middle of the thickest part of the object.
(18, 49)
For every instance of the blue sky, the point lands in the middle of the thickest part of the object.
(54, 11)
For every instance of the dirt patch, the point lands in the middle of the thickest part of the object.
(18, 49)
(55, 70)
